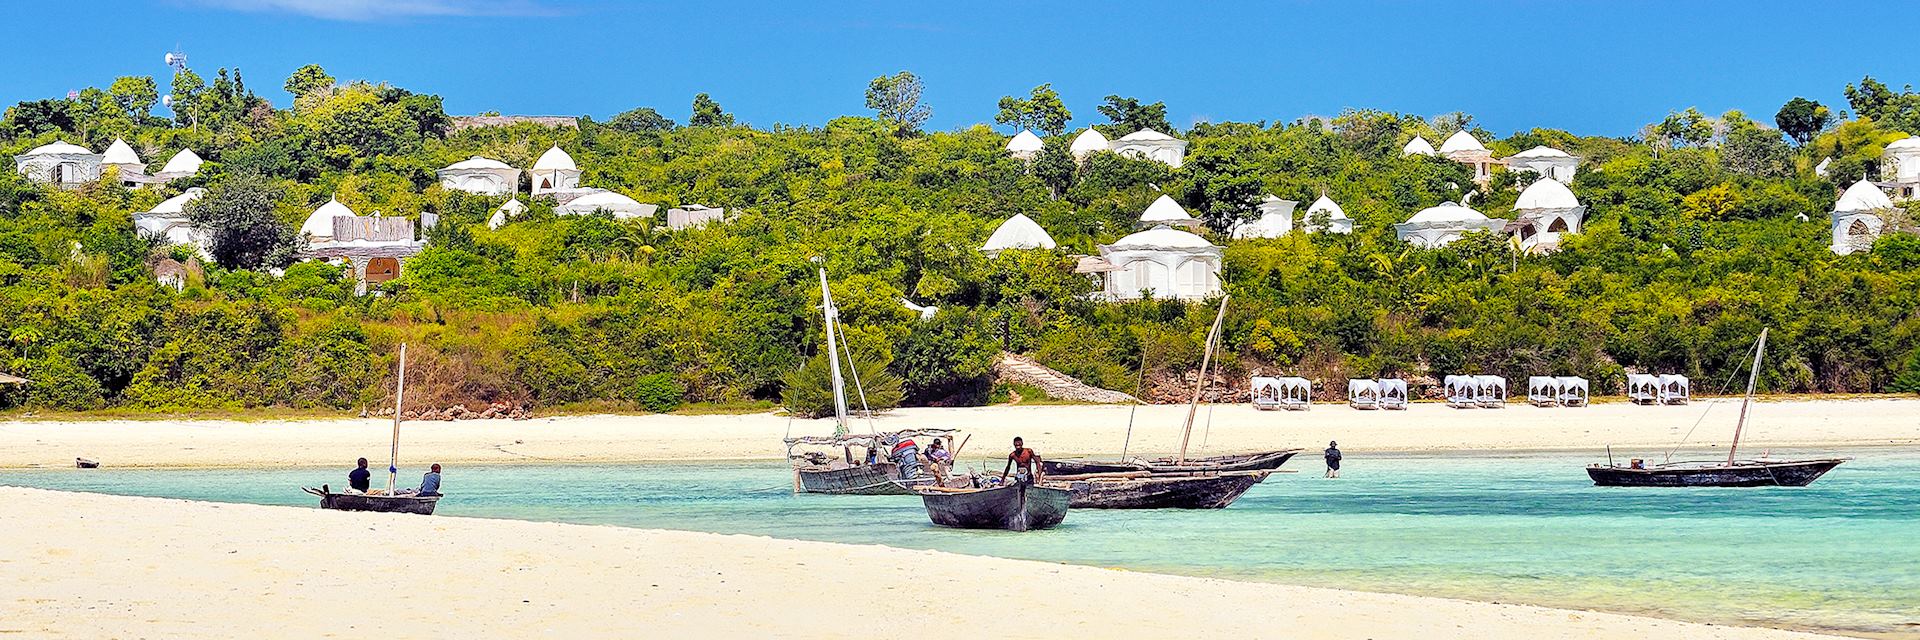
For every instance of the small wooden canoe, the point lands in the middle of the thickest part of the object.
(880, 479)
(1260, 461)
(1021, 506)
(422, 505)
(83, 463)
(1745, 473)
(1197, 491)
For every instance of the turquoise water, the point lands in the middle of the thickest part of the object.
(1841, 555)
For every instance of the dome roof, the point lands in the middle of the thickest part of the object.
(1327, 204)
(58, 147)
(1089, 141)
(184, 162)
(1461, 141)
(478, 162)
(1417, 145)
(178, 204)
(1165, 211)
(1162, 238)
(602, 200)
(120, 153)
(1904, 144)
(1146, 134)
(1863, 196)
(1543, 151)
(1449, 212)
(1025, 141)
(555, 159)
(1546, 194)
(319, 224)
(1018, 232)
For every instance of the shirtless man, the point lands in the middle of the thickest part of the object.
(1023, 462)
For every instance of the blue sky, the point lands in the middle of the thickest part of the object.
(1590, 67)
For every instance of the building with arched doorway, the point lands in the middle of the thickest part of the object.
(59, 164)
(483, 176)
(1161, 262)
(375, 247)
(1858, 217)
(1152, 145)
(1465, 149)
(1546, 210)
(1549, 162)
(1438, 226)
(554, 172)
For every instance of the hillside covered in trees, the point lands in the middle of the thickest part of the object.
(1695, 241)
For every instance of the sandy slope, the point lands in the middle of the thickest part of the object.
(1053, 430)
(84, 565)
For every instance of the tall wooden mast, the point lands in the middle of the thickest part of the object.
(1206, 359)
(1753, 377)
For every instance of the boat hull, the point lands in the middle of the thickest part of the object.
(380, 504)
(881, 479)
(1163, 492)
(1753, 474)
(1021, 506)
(1262, 461)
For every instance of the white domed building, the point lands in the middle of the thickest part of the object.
(554, 172)
(1162, 262)
(59, 164)
(122, 157)
(1857, 217)
(1438, 226)
(1164, 211)
(482, 176)
(1465, 149)
(1088, 142)
(374, 246)
(1018, 232)
(181, 165)
(620, 206)
(1276, 220)
(1025, 145)
(1418, 146)
(1152, 145)
(168, 222)
(1546, 210)
(1900, 167)
(1549, 162)
(1336, 220)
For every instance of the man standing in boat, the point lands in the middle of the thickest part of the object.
(1333, 459)
(1023, 462)
(360, 479)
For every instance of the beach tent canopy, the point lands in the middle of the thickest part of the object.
(1573, 390)
(1543, 390)
(1490, 390)
(1675, 388)
(1460, 389)
(1393, 393)
(1363, 387)
(1643, 388)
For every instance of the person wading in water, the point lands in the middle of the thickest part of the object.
(1333, 459)
(1028, 463)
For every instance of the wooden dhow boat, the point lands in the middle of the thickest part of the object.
(1020, 506)
(1261, 461)
(1732, 472)
(389, 501)
(1141, 490)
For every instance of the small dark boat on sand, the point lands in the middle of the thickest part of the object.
(1741, 473)
(83, 463)
(1020, 506)
(1261, 461)
(1155, 491)
(422, 505)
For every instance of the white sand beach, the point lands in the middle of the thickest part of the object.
(1056, 431)
(84, 565)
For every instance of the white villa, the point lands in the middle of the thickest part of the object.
(122, 157)
(1163, 262)
(1547, 161)
(620, 206)
(483, 176)
(1418, 146)
(694, 215)
(1463, 148)
(168, 221)
(554, 172)
(59, 164)
(1336, 217)
(1152, 145)
(1900, 167)
(374, 246)
(1276, 220)
(1018, 232)
(1857, 217)
(182, 164)
(1546, 209)
(1025, 145)
(1164, 211)
(1438, 226)
(1088, 142)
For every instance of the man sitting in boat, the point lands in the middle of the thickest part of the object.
(938, 460)
(430, 483)
(360, 479)
(1023, 462)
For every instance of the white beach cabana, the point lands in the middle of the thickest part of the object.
(1276, 220)
(1296, 393)
(1490, 392)
(1363, 393)
(1164, 211)
(620, 206)
(183, 164)
(1088, 142)
(1550, 163)
(1418, 146)
(1025, 145)
(1573, 391)
(1440, 225)
(1393, 393)
(482, 176)
(1265, 392)
(1465, 149)
(168, 222)
(1152, 145)
(1326, 216)
(554, 172)
(1461, 391)
(1018, 232)
(1543, 391)
(59, 164)
(1858, 217)
(1675, 389)
(1546, 210)
(1643, 388)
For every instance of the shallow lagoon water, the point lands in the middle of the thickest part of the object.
(1843, 554)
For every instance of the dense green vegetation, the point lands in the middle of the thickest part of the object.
(1692, 245)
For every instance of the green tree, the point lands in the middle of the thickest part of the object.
(808, 391)
(1684, 128)
(308, 80)
(897, 99)
(641, 120)
(707, 113)
(184, 96)
(1130, 115)
(135, 96)
(1802, 119)
(1041, 111)
(237, 214)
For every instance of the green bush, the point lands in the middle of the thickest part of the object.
(658, 392)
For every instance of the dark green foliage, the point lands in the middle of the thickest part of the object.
(1802, 119)
(658, 392)
(707, 113)
(237, 214)
(1130, 115)
(641, 120)
(808, 391)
